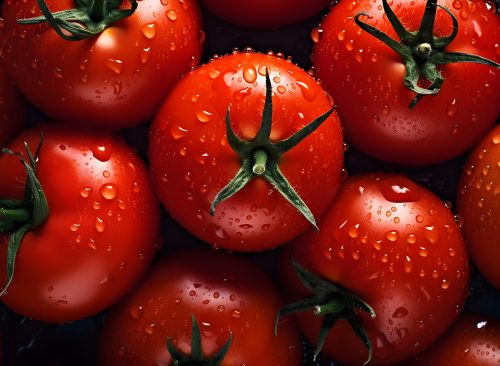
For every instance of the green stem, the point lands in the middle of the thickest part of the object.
(329, 308)
(18, 215)
(260, 158)
(98, 10)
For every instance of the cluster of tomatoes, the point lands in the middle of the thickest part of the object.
(169, 199)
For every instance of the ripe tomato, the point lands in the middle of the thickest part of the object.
(13, 109)
(228, 296)
(478, 203)
(264, 13)
(101, 231)
(365, 76)
(116, 78)
(396, 246)
(192, 160)
(474, 340)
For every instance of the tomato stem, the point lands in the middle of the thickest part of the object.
(421, 51)
(260, 157)
(98, 10)
(17, 215)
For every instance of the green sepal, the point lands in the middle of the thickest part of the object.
(196, 357)
(332, 302)
(260, 157)
(20, 216)
(421, 50)
(87, 19)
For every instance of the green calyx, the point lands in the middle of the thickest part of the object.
(87, 19)
(332, 302)
(196, 358)
(260, 157)
(421, 50)
(20, 216)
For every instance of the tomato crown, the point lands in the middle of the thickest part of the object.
(87, 19)
(260, 157)
(19, 216)
(332, 302)
(196, 357)
(422, 51)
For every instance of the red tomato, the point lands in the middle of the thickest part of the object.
(13, 109)
(117, 78)
(101, 231)
(478, 203)
(365, 76)
(191, 160)
(264, 13)
(226, 294)
(474, 340)
(396, 246)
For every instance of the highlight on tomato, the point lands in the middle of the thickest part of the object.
(415, 81)
(478, 203)
(384, 277)
(246, 152)
(102, 62)
(79, 222)
(201, 307)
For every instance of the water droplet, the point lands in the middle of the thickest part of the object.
(249, 74)
(136, 187)
(115, 65)
(150, 328)
(316, 34)
(400, 312)
(85, 192)
(411, 239)
(149, 30)
(172, 15)
(431, 233)
(423, 252)
(341, 35)
(496, 139)
(307, 91)
(204, 116)
(353, 231)
(178, 132)
(392, 235)
(109, 191)
(220, 308)
(377, 244)
(136, 312)
(99, 224)
(101, 152)
(92, 244)
(408, 265)
(74, 227)
(216, 295)
(50, 288)
(236, 314)
(419, 219)
(145, 55)
(445, 284)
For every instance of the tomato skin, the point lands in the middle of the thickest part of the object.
(116, 79)
(101, 232)
(365, 77)
(394, 244)
(226, 293)
(263, 13)
(13, 109)
(191, 160)
(479, 205)
(474, 340)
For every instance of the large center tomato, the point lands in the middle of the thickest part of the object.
(101, 231)
(117, 78)
(191, 160)
(365, 76)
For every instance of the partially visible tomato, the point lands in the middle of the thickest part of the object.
(192, 160)
(478, 203)
(13, 109)
(116, 78)
(396, 246)
(228, 295)
(474, 340)
(365, 77)
(101, 231)
(264, 13)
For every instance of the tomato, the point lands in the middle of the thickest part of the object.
(474, 340)
(263, 13)
(479, 205)
(192, 160)
(228, 296)
(394, 245)
(116, 78)
(101, 231)
(365, 76)
(13, 111)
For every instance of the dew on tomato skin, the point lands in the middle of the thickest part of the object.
(250, 74)
(109, 191)
(392, 235)
(408, 265)
(96, 205)
(423, 252)
(419, 219)
(431, 233)
(400, 312)
(204, 116)
(115, 65)
(99, 224)
(74, 227)
(149, 30)
(171, 15)
(377, 244)
(353, 231)
(236, 314)
(341, 35)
